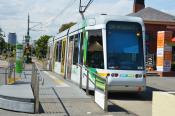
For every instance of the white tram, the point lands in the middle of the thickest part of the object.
(111, 46)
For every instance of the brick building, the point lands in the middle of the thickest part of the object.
(155, 21)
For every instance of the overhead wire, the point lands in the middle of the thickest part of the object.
(71, 3)
(81, 10)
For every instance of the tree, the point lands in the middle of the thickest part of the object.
(66, 26)
(2, 41)
(41, 46)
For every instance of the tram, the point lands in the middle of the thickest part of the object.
(111, 46)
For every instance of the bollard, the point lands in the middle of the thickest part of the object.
(87, 83)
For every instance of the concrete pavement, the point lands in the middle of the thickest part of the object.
(141, 104)
(59, 97)
(73, 100)
(63, 98)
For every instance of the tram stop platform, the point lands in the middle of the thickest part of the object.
(17, 98)
(57, 97)
(62, 97)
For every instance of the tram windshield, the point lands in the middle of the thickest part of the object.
(124, 46)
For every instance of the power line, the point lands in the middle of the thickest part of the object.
(61, 12)
(82, 8)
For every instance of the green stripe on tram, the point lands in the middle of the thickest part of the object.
(100, 86)
(100, 83)
(99, 80)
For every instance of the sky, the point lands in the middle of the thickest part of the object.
(51, 14)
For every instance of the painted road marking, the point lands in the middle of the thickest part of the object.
(56, 80)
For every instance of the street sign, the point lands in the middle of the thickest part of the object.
(27, 38)
(19, 57)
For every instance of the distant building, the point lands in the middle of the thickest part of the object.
(12, 38)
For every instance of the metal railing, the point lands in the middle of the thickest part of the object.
(8, 72)
(98, 79)
(35, 79)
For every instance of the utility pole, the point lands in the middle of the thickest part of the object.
(82, 8)
(28, 24)
(27, 37)
(28, 47)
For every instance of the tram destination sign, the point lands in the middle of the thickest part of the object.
(129, 26)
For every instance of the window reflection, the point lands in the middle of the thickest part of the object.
(124, 46)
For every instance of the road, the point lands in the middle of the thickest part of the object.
(141, 104)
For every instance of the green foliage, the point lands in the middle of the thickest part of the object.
(66, 26)
(2, 42)
(41, 46)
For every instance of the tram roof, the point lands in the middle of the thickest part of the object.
(97, 20)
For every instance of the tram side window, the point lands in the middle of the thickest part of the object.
(75, 56)
(81, 48)
(59, 50)
(95, 49)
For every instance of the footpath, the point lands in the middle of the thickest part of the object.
(64, 98)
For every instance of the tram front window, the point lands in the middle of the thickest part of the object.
(124, 46)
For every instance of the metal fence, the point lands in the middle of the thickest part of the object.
(101, 86)
(35, 79)
(7, 74)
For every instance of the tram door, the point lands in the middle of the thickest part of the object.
(69, 66)
(63, 56)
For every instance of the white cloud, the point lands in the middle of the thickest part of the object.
(13, 13)
(117, 7)
(171, 11)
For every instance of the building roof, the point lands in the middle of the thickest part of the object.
(152, 15)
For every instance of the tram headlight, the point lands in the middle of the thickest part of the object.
(108, 74)
(138, 34)
(114, 75)
(138, 75)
